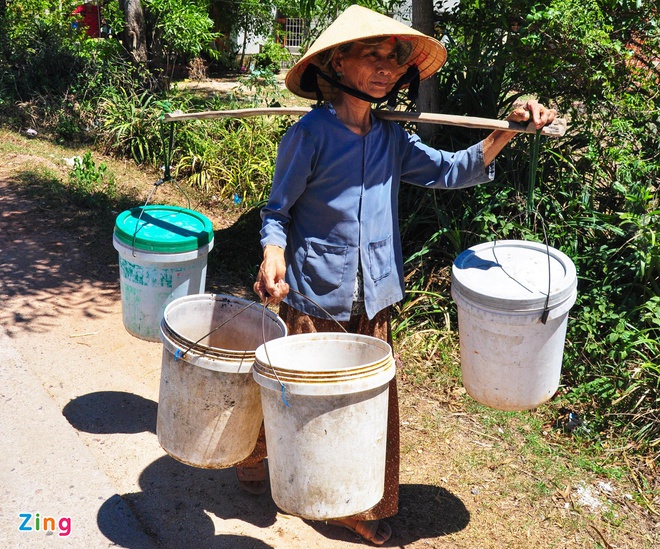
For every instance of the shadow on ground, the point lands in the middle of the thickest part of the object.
(56, 252)
(177, 503)
(425, 512)
(109, 412)
(177, 500)
(55, 255)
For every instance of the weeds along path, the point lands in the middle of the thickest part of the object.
(470, 477)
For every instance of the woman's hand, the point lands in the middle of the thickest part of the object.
(270, 283)
(533, 111)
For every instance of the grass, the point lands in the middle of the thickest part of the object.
(538, 464)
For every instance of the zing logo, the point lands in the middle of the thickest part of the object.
(34, 522)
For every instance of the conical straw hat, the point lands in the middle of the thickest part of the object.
(357, 23)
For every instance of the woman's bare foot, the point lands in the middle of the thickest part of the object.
(375, 531)
(253, 479)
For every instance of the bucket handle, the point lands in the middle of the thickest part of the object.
(546, 307)
(157, 184)
(181, 354)
(285, 397)
(263, 330)
(168, 145)
(319, 307)
(146, 203)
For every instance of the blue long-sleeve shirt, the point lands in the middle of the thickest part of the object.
(334, 203)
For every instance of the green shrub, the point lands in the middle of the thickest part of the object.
(182, 29)
(230, 158)
(264, 87)
(596, 188)
(271, 56)
(131, 126)
(91, 185)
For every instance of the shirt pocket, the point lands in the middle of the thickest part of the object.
(324, 266)
(380, 258)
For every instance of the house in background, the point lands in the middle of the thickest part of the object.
(288, 31)
(291, 32)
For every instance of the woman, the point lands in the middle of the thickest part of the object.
(330, 235)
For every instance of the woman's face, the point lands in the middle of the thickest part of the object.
(372, 69)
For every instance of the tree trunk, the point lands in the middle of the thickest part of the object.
(243, 48)
(134, 37)
(423, 20)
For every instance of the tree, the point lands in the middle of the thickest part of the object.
(323, 13)
(134, 35)
(423, 20)
(181, 29)
(252, 18)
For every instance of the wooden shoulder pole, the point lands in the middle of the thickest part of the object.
(556, 129)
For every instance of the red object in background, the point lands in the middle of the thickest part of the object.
(90, 18)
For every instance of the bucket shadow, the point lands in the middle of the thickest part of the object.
(176, 505)
(117, 523)
(425, 512)
(109, 412)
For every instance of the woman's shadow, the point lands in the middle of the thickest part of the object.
(425, 512)
(177, 502)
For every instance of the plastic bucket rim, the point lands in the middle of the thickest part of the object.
(503, 304)
(356, 373)
(139, 255)
(212, 358)
(263, 353)
(324, 382)
(330, 388)
(555, 309)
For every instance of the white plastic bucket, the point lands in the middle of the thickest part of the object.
(327, 432)
(209, 406)
(162, 256)
(504, 290)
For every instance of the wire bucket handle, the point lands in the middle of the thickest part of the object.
(181, 354)
(546, 307)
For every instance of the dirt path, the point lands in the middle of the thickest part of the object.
(462, 484)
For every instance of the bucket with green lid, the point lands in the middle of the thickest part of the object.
(162, 256)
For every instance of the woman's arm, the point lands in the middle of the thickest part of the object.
(294, 158)
(531, 110)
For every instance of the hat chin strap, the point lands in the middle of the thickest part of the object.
(309, 83)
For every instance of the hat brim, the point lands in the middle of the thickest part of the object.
(356, 24)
